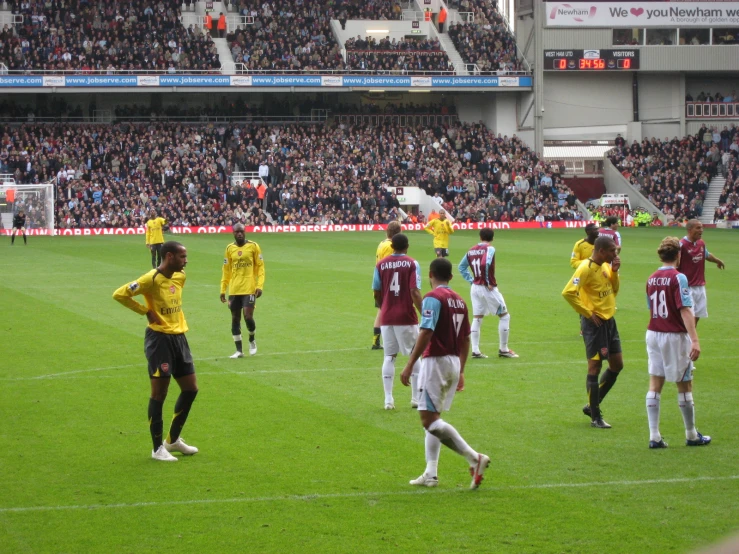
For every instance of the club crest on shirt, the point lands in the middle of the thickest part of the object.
(239, 252)
(172, 289)
(133, 287)
(605, 275)
(428, 313)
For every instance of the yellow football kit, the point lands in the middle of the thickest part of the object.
(441, 231)
(154, 229)
(163, 296)
(243, 269)
(384, 249)
(581, 251)
(593, 289)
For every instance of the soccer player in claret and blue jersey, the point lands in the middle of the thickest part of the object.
(672, 343)
(385, 248)
(165, 346)
(397, 290)
(692, 264)
(610, 230)
(478, 268)
(444, 342)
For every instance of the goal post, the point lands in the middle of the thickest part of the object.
(36, 201)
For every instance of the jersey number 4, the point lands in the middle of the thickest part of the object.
(395, 284)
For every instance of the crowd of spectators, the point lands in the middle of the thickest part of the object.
(396, 56)
(293, 35)
(112, 175)
(487, 42)
(674, 174)
(340, 9)
(94, 35)
(708, 97)
(728, 208)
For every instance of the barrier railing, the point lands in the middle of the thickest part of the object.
(714, 110)
(397, 119)
(411, 15)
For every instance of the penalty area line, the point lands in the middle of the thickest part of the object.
(350, 495)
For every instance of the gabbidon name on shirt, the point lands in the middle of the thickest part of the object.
(395, 265)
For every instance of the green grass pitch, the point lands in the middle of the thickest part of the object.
(296, 451)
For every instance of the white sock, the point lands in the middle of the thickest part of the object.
(415, 397)
(475, 334)
(685, 401)
(653, 415)
(450, 438)
(433, 448)
(388, 377)
(504, 329)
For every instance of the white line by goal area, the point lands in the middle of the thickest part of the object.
(350, 495)
(79, 373)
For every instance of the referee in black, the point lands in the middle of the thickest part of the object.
(19, 225)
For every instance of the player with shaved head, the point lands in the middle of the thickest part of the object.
(243, 278)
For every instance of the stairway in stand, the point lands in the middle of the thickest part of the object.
(715, 188)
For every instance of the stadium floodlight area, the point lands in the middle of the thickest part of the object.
(37, 201)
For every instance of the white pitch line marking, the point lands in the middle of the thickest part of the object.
(227, 371)
(349, 495)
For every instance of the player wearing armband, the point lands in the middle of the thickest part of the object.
(397, 290)
(478, 268)
(444, 342)
(672, 343)
(243, 278)
(165, 346)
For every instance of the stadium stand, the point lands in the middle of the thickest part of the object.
(728, 208)
(673, 174)
(487, 42)
(391, 56)
(76, 36)
(110, 175)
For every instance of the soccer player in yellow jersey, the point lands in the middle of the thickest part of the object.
(154, 237)
(583, 248)
(384, 249)
(165, 346)
(592, 293)
(243, 278)
(441, 229)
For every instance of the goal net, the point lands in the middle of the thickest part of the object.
(36, 201)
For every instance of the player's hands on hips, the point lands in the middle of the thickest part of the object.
(405, 377)
(153, 317)
(258, 293)
(695, 350)
(223, 298)
(596, 320)
(616, 263)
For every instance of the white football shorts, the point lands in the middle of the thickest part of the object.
(700, 304)
(437, 383)
(669, 356)
(399, 338)
(486, 301)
